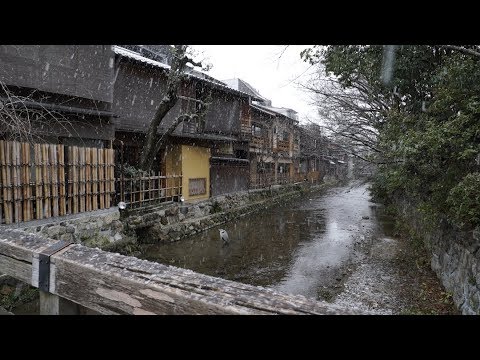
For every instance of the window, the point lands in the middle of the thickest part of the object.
(256, 131)
(225, 148)
(190, 127)
(197, 186)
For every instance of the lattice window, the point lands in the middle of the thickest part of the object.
(197, 186)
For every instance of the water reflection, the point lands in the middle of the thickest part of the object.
(290, 247)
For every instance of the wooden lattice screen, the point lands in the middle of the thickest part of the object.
(47, 180)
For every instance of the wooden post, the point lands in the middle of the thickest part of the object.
(54, 177)
(70, 180)
(88, 180)
(17, 192)
(31, 183)
(25, 183)
(51, 304)
(101, 178)
(38, 182)
(76, 185)
(81, 151)
(140, 190)
(94, 177)
(107, 183)
(61, 176)
(6, 163)
(112, 172)
(109, 176)
(132, 195)
(46, 181)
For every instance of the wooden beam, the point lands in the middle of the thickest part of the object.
(115, 284)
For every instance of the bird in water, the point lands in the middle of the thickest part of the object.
(224, 236)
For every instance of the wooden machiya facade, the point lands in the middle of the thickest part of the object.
(221, 136)
(274, 148)
(320, 158)
(261, 152)
(312, 151)
(62, 93)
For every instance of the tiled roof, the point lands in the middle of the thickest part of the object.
(263, 110)
(237, 83)
(136, 56)
(274, 110)
(191, 72)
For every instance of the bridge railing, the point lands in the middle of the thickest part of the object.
(110, 283)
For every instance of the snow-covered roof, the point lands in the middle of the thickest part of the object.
(190, 71)
(240, 85)
(263, 110)
(206, 136)
(136, 56)
(281, 111)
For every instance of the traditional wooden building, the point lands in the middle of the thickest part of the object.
(56, 130)
(61, 93)
(275, 143)
(311, 153)
(212, 154)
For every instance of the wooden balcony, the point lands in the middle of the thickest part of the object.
(283, 145)
(257, 142)
(245, 132)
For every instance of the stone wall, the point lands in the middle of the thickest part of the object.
(455, 257)
(95, 228)
(173, 222)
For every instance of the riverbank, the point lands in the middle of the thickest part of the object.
(394, 278)
(180, 221)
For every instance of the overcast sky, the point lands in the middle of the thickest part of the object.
(274, 76)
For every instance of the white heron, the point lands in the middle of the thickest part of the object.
(224, 236)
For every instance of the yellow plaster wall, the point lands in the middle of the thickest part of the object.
(192, 162)
(195, 164)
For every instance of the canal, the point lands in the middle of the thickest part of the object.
(336, 246)
(301, 247)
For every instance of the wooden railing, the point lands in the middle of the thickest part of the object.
(147, 190)
(283, 145)
(257, 142)
(110, 283)
(246, 129)
(311, 176)
(262, 181)
(265, 180)
(47, 180)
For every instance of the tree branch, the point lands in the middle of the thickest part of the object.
(462, 49)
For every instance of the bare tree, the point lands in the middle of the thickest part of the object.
(351, 117)
(176, 74)
(19, 121)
